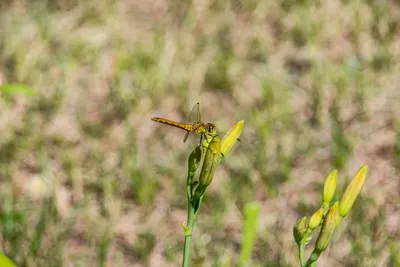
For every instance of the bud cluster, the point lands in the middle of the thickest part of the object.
(328, 217)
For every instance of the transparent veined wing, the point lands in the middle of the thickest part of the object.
(194, 116)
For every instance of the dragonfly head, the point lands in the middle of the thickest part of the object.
(210, 128)
(210, 133)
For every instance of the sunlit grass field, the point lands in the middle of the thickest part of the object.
(86, 178)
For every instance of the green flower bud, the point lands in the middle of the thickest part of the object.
(300, 229)
(231, 137)
(329, 187)
(212, 158)
(194, 160)
(328, 228)
(315, 219)
(352, 191)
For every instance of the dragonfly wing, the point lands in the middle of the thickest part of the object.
(194, 115)
(186, 136)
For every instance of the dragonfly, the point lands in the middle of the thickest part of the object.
(207, 131)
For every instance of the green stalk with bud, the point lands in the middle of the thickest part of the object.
(327, 218)
(209, 153)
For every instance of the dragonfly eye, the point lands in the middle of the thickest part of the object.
(211, 127)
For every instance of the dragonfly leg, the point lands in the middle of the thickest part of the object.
(202, 138)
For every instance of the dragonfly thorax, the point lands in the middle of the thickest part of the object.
(204, 128)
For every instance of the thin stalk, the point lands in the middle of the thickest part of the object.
(193, 208)
(188, 235)
(301, 254)
(312, 261)
(194, 160)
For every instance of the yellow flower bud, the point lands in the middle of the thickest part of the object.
(231, 137)
(300, 229)
(315, 219)
(352, 191)
(329, 187)
(212, 158)
(328, 228)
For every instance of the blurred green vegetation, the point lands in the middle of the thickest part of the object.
(87, 178)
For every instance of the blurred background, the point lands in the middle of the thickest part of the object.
(88, 179)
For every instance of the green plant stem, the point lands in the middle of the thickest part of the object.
(301, 254)
(188, 234)
(193, 209)
(189, 192)
(312, 261)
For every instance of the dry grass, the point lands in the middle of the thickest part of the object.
(87, 177)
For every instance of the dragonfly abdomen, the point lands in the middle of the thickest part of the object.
(184, 126)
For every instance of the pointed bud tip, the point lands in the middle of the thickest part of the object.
(364, 168)
(352, 191)
(231, 137)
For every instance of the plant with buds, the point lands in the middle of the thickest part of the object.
(327, 218)
(210, 152)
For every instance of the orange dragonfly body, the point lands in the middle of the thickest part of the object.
(206, 130)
